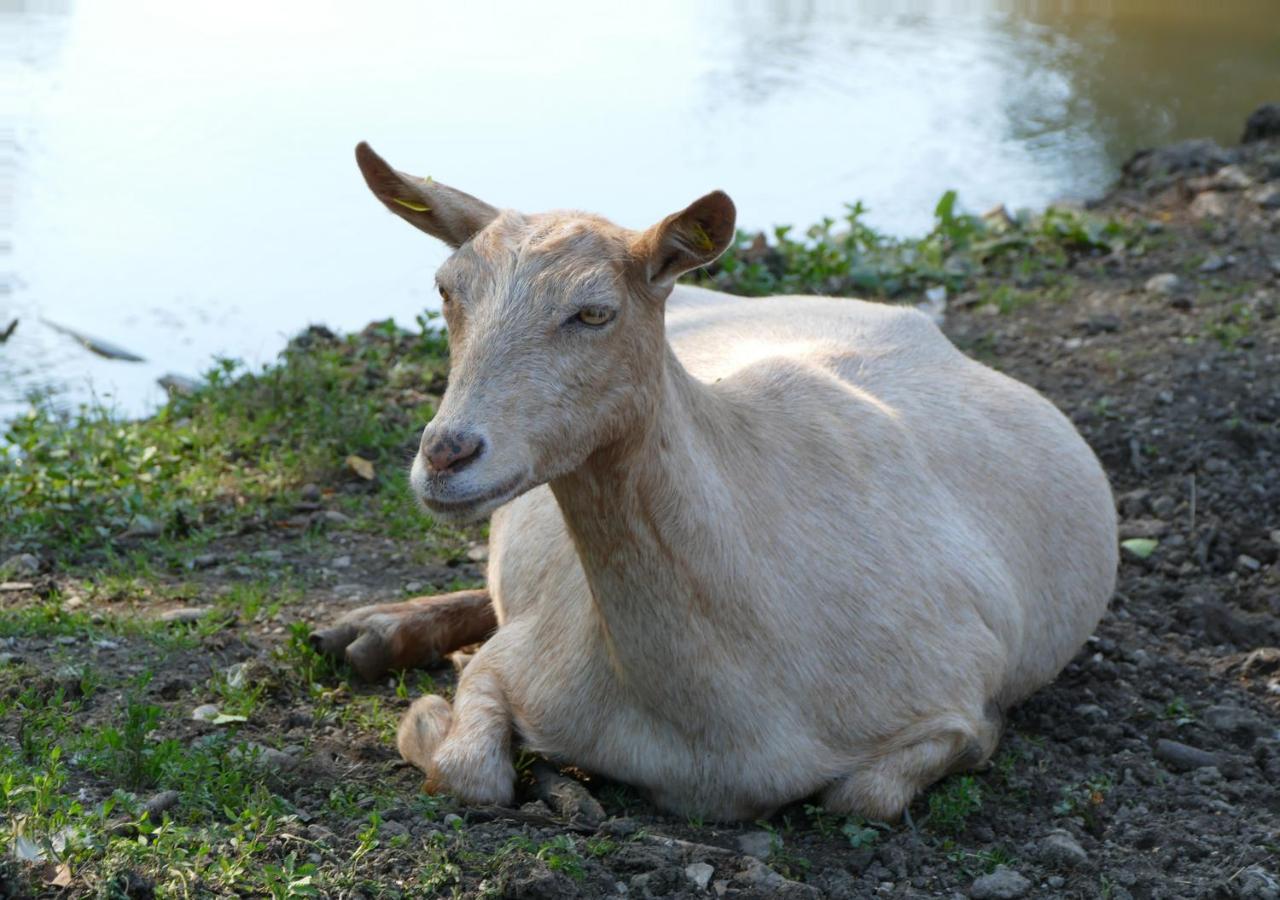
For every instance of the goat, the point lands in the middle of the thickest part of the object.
(742, 552)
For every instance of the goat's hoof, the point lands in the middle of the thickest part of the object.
(363, 639)
(476, 777)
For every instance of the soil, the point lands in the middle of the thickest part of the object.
(1150, 768)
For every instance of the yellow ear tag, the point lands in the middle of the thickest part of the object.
(416, 207)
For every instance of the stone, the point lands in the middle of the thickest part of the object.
(21, 564)
(333, 517)
(700, 874)
(757, 843)
(1165, 283)
(9, 659)
(1216, 262)
(203, 561)
(1164, 506)
(1209, 205)
(1256, 883)
(206, 712)
(340, 562)
(1105, 323)
(1184, 757)
(12, 587)
(452, 820)
(269, 556)
(1002, 884)
(1267, 197)
(478, 553)
(1246, 563)
(1263, 123)
(1231, 178)
(1143, 528)
(1061, 850)
(184, 614)
(762, 881)
(392, 828)
(1241, 725)
(1185, 157)
(158, 805)
(310, 493)
(144, 526)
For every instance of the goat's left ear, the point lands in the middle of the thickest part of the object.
(686, 240)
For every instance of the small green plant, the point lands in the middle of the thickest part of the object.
(1178, 712)
(952, 802)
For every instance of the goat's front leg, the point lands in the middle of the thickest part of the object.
(410, 634)
(464, 751)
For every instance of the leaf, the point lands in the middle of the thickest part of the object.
(408, 204)
(361, 467)
(1140, 547)
(61, 876)
(224, 718)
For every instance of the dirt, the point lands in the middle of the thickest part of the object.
(1150, 768)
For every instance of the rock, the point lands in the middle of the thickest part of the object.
(320, 834)
(361, 467)
(1060, 849)
(1164, 506)
(310, 493)
(184, 614)
(175, 383)
(269, 556)
(203, 561)
(1231, 178)
(340, 562)
(700, 874)
(762, 881)
(1240, 724)
(1165, 283)
(20, 564)
(392, 828)
(620, 827)
(1263, 123)
(1216, 262)
(1183, 757)
(1002, 884)
(206, 712)
(1246, 563)
(452, 820)
(158, 805)
(1183, 158)
(1256, 883)
(478, 553)
(1100, 324)
(1267, 197)
(757, 843)
(1143, 528)
(9, 659)
(12, 587)
(144, 526)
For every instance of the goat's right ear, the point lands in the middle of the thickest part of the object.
(437, 209)
(693, 237)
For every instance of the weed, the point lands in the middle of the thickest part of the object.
(952, 802)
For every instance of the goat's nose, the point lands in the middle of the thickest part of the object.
(450, 451)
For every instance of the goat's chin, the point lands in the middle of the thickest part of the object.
(472, 507)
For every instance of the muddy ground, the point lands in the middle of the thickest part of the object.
(1150, 768)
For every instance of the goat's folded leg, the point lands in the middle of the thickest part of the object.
(465, 750)
(411, 634)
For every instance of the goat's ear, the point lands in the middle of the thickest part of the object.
(686, 240)
(437, 209)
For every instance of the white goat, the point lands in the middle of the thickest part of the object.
(769, 549)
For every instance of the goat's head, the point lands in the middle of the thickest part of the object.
(555, 333)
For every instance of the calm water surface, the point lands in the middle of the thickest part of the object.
(177, 178)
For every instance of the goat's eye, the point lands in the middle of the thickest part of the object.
(444, 295)
(595, 316)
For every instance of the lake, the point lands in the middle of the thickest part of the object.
(177, 178)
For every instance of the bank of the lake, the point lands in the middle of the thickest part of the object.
(168, 728)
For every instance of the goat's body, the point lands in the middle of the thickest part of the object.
(846, 550)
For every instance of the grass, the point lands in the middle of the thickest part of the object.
(127, 508)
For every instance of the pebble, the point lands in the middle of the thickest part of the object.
(1246, 563)
(310, 493)
(1232, 720)
(1256, 883)
(203, 561)
(757, 843)
(340, 562)
(1216, 263)
(9, 659)
(700, 874)
(620, 826)
(21, 564)
(1182, 756)
(1002, 884)
(206, 712)
(392, 828)
(333, 517)
(452, 820)
(478, 553)
(185, 614)
(1268, 197)
(1060, 849)
(1143, 528)
(7, 587)
(144, 526)
(1165, 283)
(1231, 178)
(160, 804)
(1208, 205)
(1164, 506)
(269, 556)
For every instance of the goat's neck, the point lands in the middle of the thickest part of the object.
(651, 515)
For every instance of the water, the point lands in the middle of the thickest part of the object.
(177, 178)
